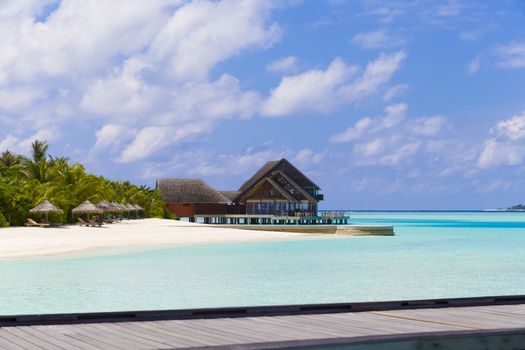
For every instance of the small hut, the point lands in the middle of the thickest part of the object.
(46, 207)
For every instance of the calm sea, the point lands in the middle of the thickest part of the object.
(434, 254)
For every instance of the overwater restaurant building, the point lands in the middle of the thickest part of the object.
(278, 189)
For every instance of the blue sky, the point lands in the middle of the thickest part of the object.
(385, 104)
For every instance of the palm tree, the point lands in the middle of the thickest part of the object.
(37, 167)
(9, 160)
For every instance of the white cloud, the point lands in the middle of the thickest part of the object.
(113, 135)
(508, 56)
(283, 65)
(511, 55)
(497, 153)
(428, 126)
(152, 139)
(376, 39)
(508, 147)
(394, 91)
(314, 90)
(126, 63)
(513, 128)
(23, 145)
(394, 114)
(474, 65)
(204, 33)
(376, 74)
(472, 35)
(370, 148)
(8, 142)
(353, 132)
(322, 91)
(307, 157)
(393, 139)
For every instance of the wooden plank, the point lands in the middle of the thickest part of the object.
(251, 326)
(231, 331)
(212, 339)
(443, 317)
(149, 335)
(171, 339)
(255, 331)
(297, 322)
(400, 325)
(109, 331)
(347, 326)
(498, 320)
(54, 340)
(24, 343)
(99, 340)
(52, 332)
(173, 328)
(8, 344)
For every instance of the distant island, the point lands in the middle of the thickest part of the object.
(517, 207)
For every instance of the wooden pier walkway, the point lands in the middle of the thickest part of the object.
(500, 326)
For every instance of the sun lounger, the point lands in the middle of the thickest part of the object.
(94, 223)
(81, 222)
(33, 223)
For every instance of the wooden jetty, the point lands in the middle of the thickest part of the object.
(488, 323)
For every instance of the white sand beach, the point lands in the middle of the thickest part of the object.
(23, 242)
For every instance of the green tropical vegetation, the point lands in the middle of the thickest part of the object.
(27, 181)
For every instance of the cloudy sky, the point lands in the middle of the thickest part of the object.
(385, 104)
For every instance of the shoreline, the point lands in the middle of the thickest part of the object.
(21, 243)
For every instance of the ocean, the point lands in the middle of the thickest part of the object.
(432, 255)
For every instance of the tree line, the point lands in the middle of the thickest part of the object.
(27, 181)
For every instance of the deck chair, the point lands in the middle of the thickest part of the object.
(81, 222)
(33, 223)
(94, 223)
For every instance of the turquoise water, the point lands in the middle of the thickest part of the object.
(432, 255)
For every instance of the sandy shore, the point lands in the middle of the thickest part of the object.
(22, 242)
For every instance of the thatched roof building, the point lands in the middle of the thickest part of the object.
(189, 191)
(231, 195)
(277, 188)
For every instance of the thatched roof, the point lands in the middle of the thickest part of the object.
(138, 207)
(286, 167)
(266, 168)
(122, 207)
(231, 195)
(189, 191)
(46, 207)
(104, 205)
(130, 207)
(113, 206)
(87, 207)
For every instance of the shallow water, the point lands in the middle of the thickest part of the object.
(432, 255)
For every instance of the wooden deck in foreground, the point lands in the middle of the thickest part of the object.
(499, 326)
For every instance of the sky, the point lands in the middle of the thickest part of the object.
(384, 104)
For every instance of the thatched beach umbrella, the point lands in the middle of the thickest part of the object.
(131, 208)
(87, 208)
(114, 207)
(105, 206)
(46, 207)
